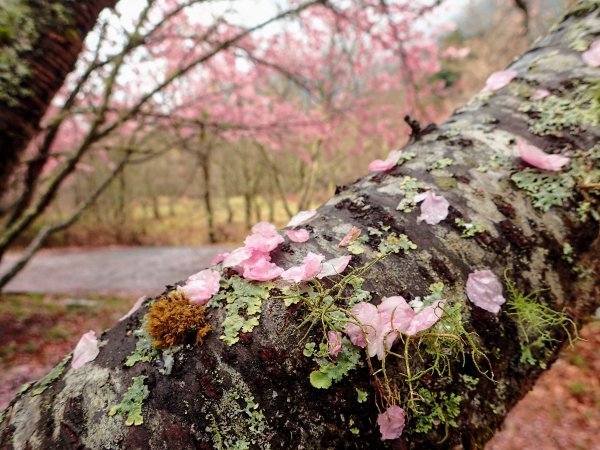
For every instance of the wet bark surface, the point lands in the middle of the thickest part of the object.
(208, 399)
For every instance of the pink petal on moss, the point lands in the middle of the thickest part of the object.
(301, 217)
(298, 235)
(334, 266)
(398, 310)
(592, 56)
(540, 94)
(537, 158)
(263, 242)
(262, 270)
(485, 290)
(434, 208)
(200, 287)
(334, 342)
(86, 350)
(310, 267)
(366, 314)
(350, 237)
(134, 308)
(426, 318)
(380, 166)
(391, 422)
(498, 80)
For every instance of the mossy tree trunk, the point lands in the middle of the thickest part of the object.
(257, 392)
(40, 41)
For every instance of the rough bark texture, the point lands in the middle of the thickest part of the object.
(208, 398)
(46, 53)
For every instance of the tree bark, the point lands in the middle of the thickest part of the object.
(209, 398)
(45, 63)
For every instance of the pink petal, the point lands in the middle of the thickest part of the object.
(592, 56)
(310, 267)
(391, 422)
(426, 318)
(485, 290)
(380, 166)
(350, 237)
(298, 235)
(334, 342)
(86, 350)
(262, 270)
(334, 266)
(237, 256)
(201, 286)
(434, 208)
(539, 94)
(134, 308)
(264, 228)
(399, 312)
(262, 242)
(537, 158)
(301, 217)
(366, 314)
(498, 80)
(219, 258)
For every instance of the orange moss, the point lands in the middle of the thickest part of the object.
(173, 320)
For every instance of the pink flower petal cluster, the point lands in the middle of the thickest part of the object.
(200, 287)
(86, 350)
(253, 260)
(300, 235)
(334, 266)
(498, 80)
(310, 267)
(219, 258)
(592, 56)
(537, 158)
(301, 217)
(391, 422)
(434, 208)
(381, 166)
(485, 290)
(381, 324)
(334, 342)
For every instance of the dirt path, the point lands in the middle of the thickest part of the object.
(118, 270)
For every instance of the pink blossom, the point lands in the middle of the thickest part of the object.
(485, 290)
(310, 267)
(592, 56)
(86, 350)
(301, 217)
(264, 228)
(219, 258)
(134, 308)
(334, 342)
(380, 166)
(391, 422)
(264, 237)
(298, 235)
(434, 208)
(537, 158)
(367, 315)
(458, 53)
(201, 286)
(350, 237)
(334, 266)
(498, 80)
(262, 270)
(540, 94)
(237, 256)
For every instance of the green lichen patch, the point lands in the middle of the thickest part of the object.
(409, 186)
(144, 350)
(440, 164)
(470, 229)
(243, 305)
(434, 409)
(131, 405)
(546, 189)
(51, 377)
(334, 370)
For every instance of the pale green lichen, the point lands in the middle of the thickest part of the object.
(440, 164)
(546, 189)
(361, 396)
(131, 404)
(395, 243)
(144, 350)
(52, 376)
(409, 187)
(470, 229)
(436, 408)
(334, 370)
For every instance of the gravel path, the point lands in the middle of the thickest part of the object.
(115, 270)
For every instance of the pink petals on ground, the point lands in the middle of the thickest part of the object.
(381, 166)
(381, 324)
(300, 235)
(391, 422)
(485, 290)
(86, 350)
(592, 56)
(537, 158)
(498, 80)
(310, 267)
(200, 287)
(301, 217)
(334, 266)
(262, 270)
(334, 342)
(434, 208)
(350, 237)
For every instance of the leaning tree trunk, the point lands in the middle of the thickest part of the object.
(256, 393)
(36, 58)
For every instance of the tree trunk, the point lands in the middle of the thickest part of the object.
(256, 393)
(39, 58)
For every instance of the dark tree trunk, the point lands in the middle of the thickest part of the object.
(43, 63)
(256, 393)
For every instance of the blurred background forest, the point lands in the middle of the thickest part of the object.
(184, 124)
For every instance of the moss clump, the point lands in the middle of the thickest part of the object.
(173, 320)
